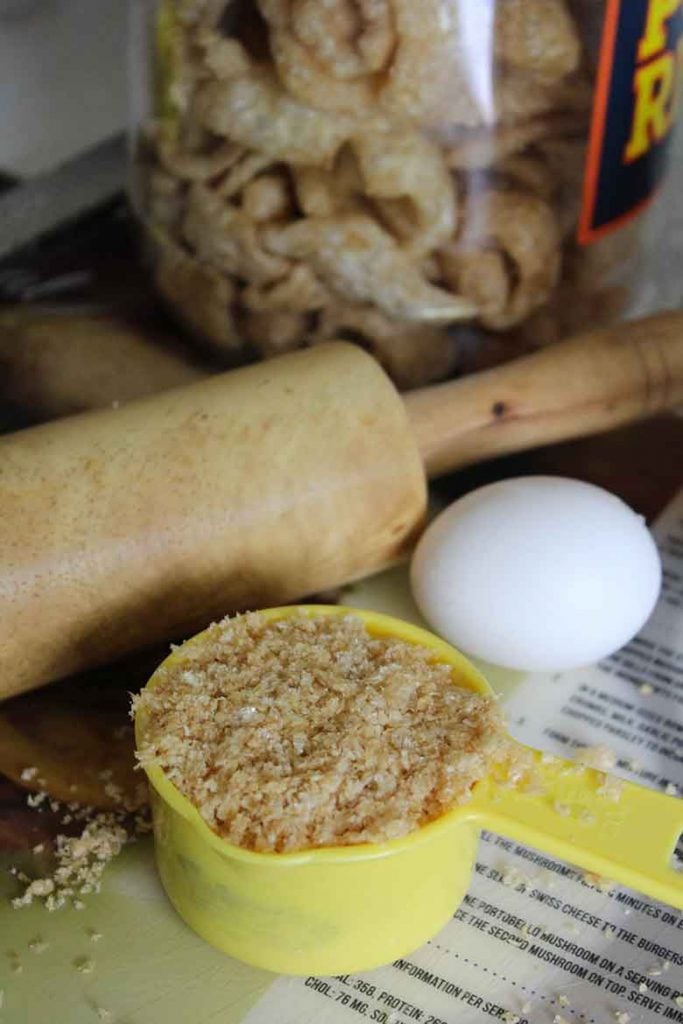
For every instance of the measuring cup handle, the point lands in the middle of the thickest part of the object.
(615, 829)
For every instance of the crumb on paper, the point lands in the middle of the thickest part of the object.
(84, 964)
(622, 1017)
(562, 809)
(562, 1000)
(642, 988)
(511, 1018)
(646, 689)
(512, 876)
(559, 1019)
(601, 757)
(611, 788)
(104, 1015)
(586, 816)
(373, 741)
(80, 860)
(28, 774)
(599, 882)
(38, 945)
(93, 935)
(671, 789)
(526, 1007)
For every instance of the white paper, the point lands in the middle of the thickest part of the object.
(533, 939)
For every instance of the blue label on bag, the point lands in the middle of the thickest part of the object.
(635, 106)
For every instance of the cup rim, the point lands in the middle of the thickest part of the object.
(378, 624)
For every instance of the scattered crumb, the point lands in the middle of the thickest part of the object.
(600, 757)
(511, 1018)
(93, 935)
(84, 964)
(598, 882)
(611, 788)
(642, 988)
(621, 1017)
(633, 764)
(526, 1007)
(559, 1019)
(38, 945)
(38, 848)
(28, 774)
(372, 742)
(114, 792)
(81, 861)
(78, 904)
(104, 1015)
(35, 799)
(512, 876)
(679, 1000)
(646, 689)
(653, 972)
(609, 929)
(562, 1000)
(524, 929)
(587, 816)
(548, 758)
(671, 789)
(562, 809)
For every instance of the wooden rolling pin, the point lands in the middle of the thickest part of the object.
(121, 528)
(58, 364)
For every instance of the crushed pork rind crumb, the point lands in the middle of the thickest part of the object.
(80, 863)
(310, 732)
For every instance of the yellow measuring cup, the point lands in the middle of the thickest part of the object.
(340, 909)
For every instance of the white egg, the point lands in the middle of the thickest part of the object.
(537, 573)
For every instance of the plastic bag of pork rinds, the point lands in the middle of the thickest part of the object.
(449, 183)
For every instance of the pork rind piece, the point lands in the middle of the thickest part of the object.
(537, 36)
(199, 295)
(256, 112)
(360, 261)
(225, 237)
(405, 174)
(507, 260)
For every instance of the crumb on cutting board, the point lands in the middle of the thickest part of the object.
(309, 732)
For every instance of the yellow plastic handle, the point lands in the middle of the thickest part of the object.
(625, 832)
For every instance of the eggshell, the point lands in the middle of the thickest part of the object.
(537, 573)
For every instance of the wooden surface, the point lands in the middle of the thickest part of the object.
(126, 526)
(596, 382)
